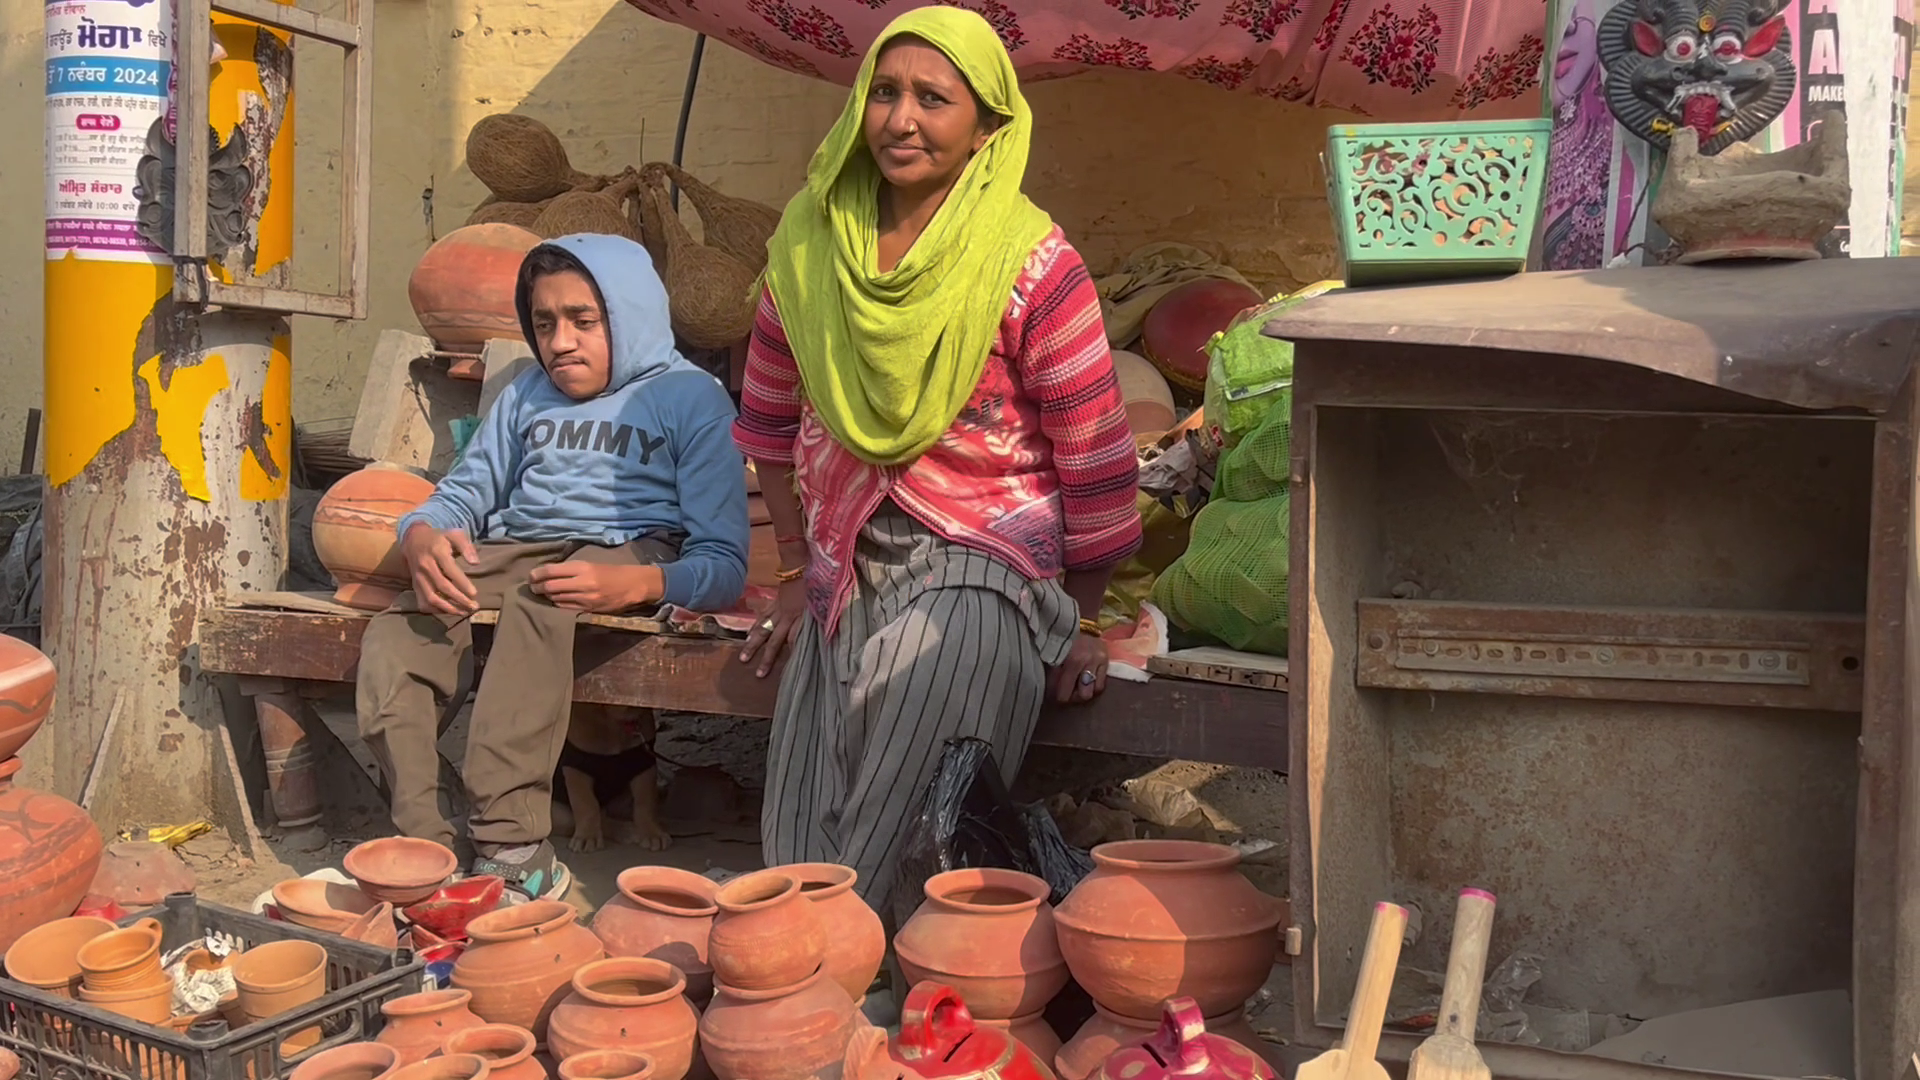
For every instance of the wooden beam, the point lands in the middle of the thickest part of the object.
(1164, 718)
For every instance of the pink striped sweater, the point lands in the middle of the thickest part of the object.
(1038, 469)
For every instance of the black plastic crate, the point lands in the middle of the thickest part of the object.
(59, 1039)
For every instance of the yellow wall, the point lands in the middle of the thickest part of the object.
(1120, 159)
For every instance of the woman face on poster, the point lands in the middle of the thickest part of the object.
(1579, 57)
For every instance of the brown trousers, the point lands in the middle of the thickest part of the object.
(414, 672)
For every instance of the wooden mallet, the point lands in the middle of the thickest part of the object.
(1449, 1054)
(1353, 1059)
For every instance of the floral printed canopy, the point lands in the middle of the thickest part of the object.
(1389, 59)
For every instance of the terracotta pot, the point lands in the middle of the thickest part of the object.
(150, 1002)
(445, 1067)
(1107, 1031)
(508, 1050)
(1032, 1031)
(856, 941)
(766, 936)
(521, 962)
(663, 914)
(1182, 1046)
(628, 1003)
(989, 934)
(462, 288)
(1160, 919)
(279, 977)
(399, 870)
(785, 1034)
(49, 850)
(321, 905)
(26, 693)
(607, 1065)
(354, 1061)
(939, 1040)
(139, 874)
(419, 1024)
(353, 536)
(46, 957)
(1175, 333)
(121, 958)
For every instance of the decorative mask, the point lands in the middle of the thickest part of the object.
(1722, 67)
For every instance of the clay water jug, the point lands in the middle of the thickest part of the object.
(419, 1024)
(354, 1061)
(628, 1003)
(508, 1051)
(353, 532)
(766, 936)
(662, 913)
(49, 851)
(856, 940)
(789, 1033)
(522, 960)
(462, 288)
(989, 934)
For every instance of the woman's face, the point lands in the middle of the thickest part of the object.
(922, 123)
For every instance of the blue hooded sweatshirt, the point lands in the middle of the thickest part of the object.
(653, 453)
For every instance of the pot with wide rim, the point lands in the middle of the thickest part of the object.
(989, 934)
(662, 913)
(789, 1033)
(629, 1003)
(522, 960)
(508, 1050)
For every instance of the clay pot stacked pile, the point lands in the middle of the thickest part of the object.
(49, 848)
(1159, 920)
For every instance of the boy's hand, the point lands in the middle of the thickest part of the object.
(432, 559)
(604, 590)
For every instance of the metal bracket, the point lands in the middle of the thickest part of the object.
(354, 34)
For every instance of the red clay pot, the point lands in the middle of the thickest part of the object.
(49, 850)
(856, 941)
(989, 934)
(353, 536)
(354, 1061)
(462, 288)
(26, 693)
(1160, 919)
(663, 914)
(787, 1034)
(1033, 1032)
(1181, 1046)
(508, 1051)
(1107, 1032)
(939, 1040)
(522, 960)
(419, 1024)
(766, 936)
(628, 1003)
(607, 1065)
(1175, 332)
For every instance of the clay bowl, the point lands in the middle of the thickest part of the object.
(607, 1065)
(448, 911)
(400, 869)
(321, 905)
(46, 957)
(354, 1061)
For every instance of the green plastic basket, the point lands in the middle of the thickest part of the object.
(1416, 202)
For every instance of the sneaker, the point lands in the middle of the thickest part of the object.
(533, 870)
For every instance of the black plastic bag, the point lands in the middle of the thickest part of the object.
(967, 819)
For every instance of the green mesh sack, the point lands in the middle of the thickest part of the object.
(1259, 465)
(1248, 373)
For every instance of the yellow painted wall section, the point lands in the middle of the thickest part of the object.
(238, 79)
(93, 316)
(179, 414)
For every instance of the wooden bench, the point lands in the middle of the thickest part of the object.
(1237, 717)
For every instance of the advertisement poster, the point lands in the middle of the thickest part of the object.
(108, 73)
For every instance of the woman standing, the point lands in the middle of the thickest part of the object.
(928, 362)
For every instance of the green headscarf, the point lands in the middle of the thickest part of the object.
(888, 360)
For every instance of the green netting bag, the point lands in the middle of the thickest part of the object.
(1249, 373)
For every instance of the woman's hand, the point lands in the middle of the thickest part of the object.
(1083, 674)
(775, 630)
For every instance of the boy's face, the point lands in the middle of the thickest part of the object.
(571, 331)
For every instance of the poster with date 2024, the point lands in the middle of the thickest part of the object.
(108, 69)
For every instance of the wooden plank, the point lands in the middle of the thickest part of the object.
(1210, 663)
(1164, 718)
(1771, 659)
(319, 603)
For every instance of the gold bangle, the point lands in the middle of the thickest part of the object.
(1090, 626)
(784, 575)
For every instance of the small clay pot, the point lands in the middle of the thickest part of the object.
(522, 960)
(766, 936)
(989, 934)
(419, 1024)
(790, 1033)
(856, 941)
(279, 977)
(121, 959)
(508, 1050)
(354, 1061)
(400, 869)
(150, 1002)
(46, 957)
(445, 1067)
(662, 913)
(628, 1003)
(607, 1065)
(321, 905)
(1031, 1031)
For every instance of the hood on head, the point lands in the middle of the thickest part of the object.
(639, 333)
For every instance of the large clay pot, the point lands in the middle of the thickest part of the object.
(663, 914)
(786, 1034)
(1181, 1046)
(462, 288)
(418, 1024)
(939, 1040)
(46, 957)
(1161, 919)
(522, 960)
(26, 693)
(989, 934)
(856, 941)
(49, 850)
(766, 936)
(507, 1049)
(1106, 1031)
(1175, 332)
(628, 1003)
(353, 533)
(354, 1061)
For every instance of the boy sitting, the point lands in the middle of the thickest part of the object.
(603, 480)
